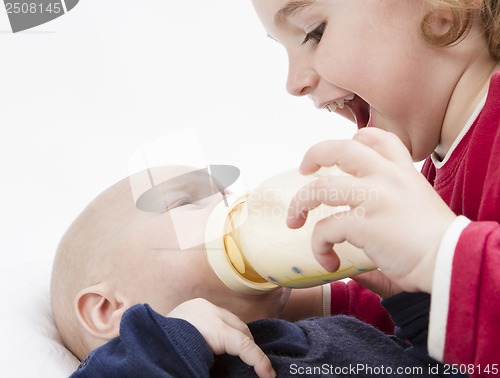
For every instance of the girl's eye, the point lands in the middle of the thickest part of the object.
(315, 35)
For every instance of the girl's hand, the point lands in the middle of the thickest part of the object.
(395, 215)
(377, 282)
(224, 332)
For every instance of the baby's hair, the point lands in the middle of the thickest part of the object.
(464, 11)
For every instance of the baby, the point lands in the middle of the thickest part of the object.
(121, 285)
(114, 256)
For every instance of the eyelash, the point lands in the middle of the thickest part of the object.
(180, 202)
(315, 35)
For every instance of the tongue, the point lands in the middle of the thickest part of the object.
(359, 109)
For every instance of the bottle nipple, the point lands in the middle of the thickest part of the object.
(223, 250)
(234, 252)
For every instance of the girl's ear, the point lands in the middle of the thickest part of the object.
(99, 310)
(445, 26)
(441, 22)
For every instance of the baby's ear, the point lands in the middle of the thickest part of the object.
(99, 310)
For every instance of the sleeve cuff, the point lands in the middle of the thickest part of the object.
(441, 287)
(327, 300)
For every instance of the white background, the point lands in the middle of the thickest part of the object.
(79, 95)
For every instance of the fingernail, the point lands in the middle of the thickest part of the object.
(292, 221)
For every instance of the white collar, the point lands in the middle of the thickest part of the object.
(436, 160)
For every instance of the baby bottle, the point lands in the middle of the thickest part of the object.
(252, 250)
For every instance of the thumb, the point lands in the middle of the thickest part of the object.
(377, 282)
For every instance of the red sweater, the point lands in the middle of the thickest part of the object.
(465, 309)
(469, 182)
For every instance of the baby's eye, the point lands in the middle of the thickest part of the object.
(315, 35)
(179, 203)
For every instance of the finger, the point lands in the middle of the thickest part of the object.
(350, 156)
(328, 190)
(238, 344)
(372, 280)
(329, 259)
(377, 282)
(386, 144)
(328, 232)
(235, 322)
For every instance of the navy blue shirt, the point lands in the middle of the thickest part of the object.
(151, 345)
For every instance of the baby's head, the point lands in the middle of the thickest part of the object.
(114, 256)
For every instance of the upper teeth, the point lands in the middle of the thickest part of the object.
(339, 103)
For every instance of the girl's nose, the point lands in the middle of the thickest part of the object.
(302, 79)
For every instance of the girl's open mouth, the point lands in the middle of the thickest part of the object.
(360, 110)
(353, 108)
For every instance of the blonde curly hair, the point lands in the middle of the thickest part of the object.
(464, 12)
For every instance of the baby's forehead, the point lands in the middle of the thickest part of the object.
(165, 172)
(141, 181)
(153, 188)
